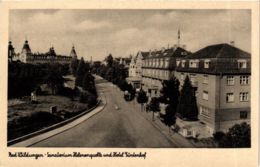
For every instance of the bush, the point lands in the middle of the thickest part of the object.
(30, 123)
(219, 135)
(88, 98)
(38, 90)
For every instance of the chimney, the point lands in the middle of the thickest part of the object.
(184, 46)
(174, 47)
(163, 49)
(232, 43)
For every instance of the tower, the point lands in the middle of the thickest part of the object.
(179, 38)
(73, 53)
(10, 52)
(26, 51)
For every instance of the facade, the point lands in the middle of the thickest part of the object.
(159, 66)
(220, 75)
(135, 69)
(26, 56)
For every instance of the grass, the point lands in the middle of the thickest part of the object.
(25, 118)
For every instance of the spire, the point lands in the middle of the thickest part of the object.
(179, 37)
(73, 52)
(26, 47)
(10, 51)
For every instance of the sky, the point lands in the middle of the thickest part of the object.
(123, 32)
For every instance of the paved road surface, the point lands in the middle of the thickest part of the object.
(111, 128)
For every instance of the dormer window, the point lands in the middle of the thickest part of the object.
(241, 63)
(166, 62)
(161, 63)
(183, 63)
(206, 63)
(177, 62)
(184, 53)
(194, 63)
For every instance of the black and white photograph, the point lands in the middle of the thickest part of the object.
(129, 78)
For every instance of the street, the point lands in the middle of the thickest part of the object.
(112, 127)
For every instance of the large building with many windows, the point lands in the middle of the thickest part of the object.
(159, 66)
(26, 55)
(220, 75)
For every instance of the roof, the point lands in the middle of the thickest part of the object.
(219, 51)
(224, 59)
(73, 52)
(145, 54)
(171, 52)
(26, 46)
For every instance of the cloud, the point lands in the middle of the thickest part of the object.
(122, 32)
(91, 25)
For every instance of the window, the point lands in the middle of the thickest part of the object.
(241, 63)
(166, 62)
(204, 111)
(206, 63)
(194, 64)
(205, 79)
(230, 80)
(183, 63)
(155, 92)
(177, 62)
(244, 80)
(154, 63)
(243, 114)
(243, 96)
(193, 79)
(157, 62)
(182, 76)
(161, 63)
(230, 97)
(205, 95)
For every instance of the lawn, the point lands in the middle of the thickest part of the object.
(25, 117)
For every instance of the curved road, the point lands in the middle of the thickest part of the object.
(111, 128)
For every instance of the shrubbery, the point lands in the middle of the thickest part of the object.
(24, 78)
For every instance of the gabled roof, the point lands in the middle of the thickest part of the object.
(219, 51)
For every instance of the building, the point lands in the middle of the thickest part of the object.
(220, 75)
(26, 56)
(135, 69)
(159, 66)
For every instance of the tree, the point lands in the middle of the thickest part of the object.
(54, 81)
(170, 91)
(109, 60)
(132, 91)
(142, 98)
(170, 117)
(170, 95)
(123, 85)
(80, 72)
(237, 136)
(154, 105)
(88, 83)
(187, 107)
(110, 74)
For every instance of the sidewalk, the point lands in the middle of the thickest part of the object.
(173, 136)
